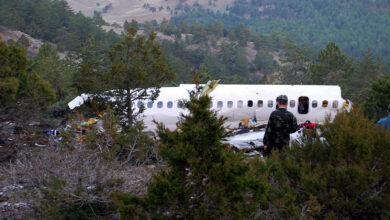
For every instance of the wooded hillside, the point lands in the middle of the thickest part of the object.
(353, 25)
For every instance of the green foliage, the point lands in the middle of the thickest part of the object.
(53, 21)
(333, 66)
(61, 208)
(21, 89)
(297, 65)
(49, 66)
(133, 24)
(89, 77)
(13, 66)
(8, 89)
(205, 179)
(98, 19)
(40, 91)
(379, 98)
(241, 34)
(366, 71)
(23, 41)
(354, 25)
(344, 175)
(241, 67)
(264, 61)
(138, 71)
(354, 77)
(131, 147)
(202, 75)
(228, 54)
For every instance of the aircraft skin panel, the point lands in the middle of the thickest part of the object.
(239, 107)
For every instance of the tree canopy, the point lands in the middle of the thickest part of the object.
(53, 21)
(138, 71)
(22, 92)
(353, 25)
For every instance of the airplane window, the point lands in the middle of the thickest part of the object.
(324, 103)
(150, 104)
(180, 104)
(292, 103)
(240, 104)
(335, 104)
(270, 103)
(314, 104)
(250, 103)
(230, 104)
(219, 104)
(139, 104)
(159, 104)
(170, 104)
(260, 104)
(303, 105)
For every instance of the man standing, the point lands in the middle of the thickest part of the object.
(280, 124)
(385, 122)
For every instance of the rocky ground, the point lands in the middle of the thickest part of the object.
(35, 44)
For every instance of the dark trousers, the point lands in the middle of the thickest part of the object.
(267, 152)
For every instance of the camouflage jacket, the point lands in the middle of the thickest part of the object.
(280, 124)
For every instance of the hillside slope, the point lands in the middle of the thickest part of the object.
(354, 25)
(119, 11)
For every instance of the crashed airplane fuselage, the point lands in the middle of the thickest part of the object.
(240, 102)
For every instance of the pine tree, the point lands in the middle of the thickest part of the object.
(13, 66)
(138, 71)
(333, 66)
(49, 66)
(205, 178)
(89, 77)
(367, 71)
(379, 98)
(22, 94)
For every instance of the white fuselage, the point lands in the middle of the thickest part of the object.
(236, 102)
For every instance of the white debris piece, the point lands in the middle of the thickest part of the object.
(20, 204)
(78, 101)
(3, 204)
(254, 153)
(295, 136)
(12, 187)
(91, 187)
(247, 141)
(253, 140)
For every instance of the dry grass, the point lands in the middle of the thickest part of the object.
(83, 170)
(123, 10)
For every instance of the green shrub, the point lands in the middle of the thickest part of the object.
(205, 179)
(345, 176)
